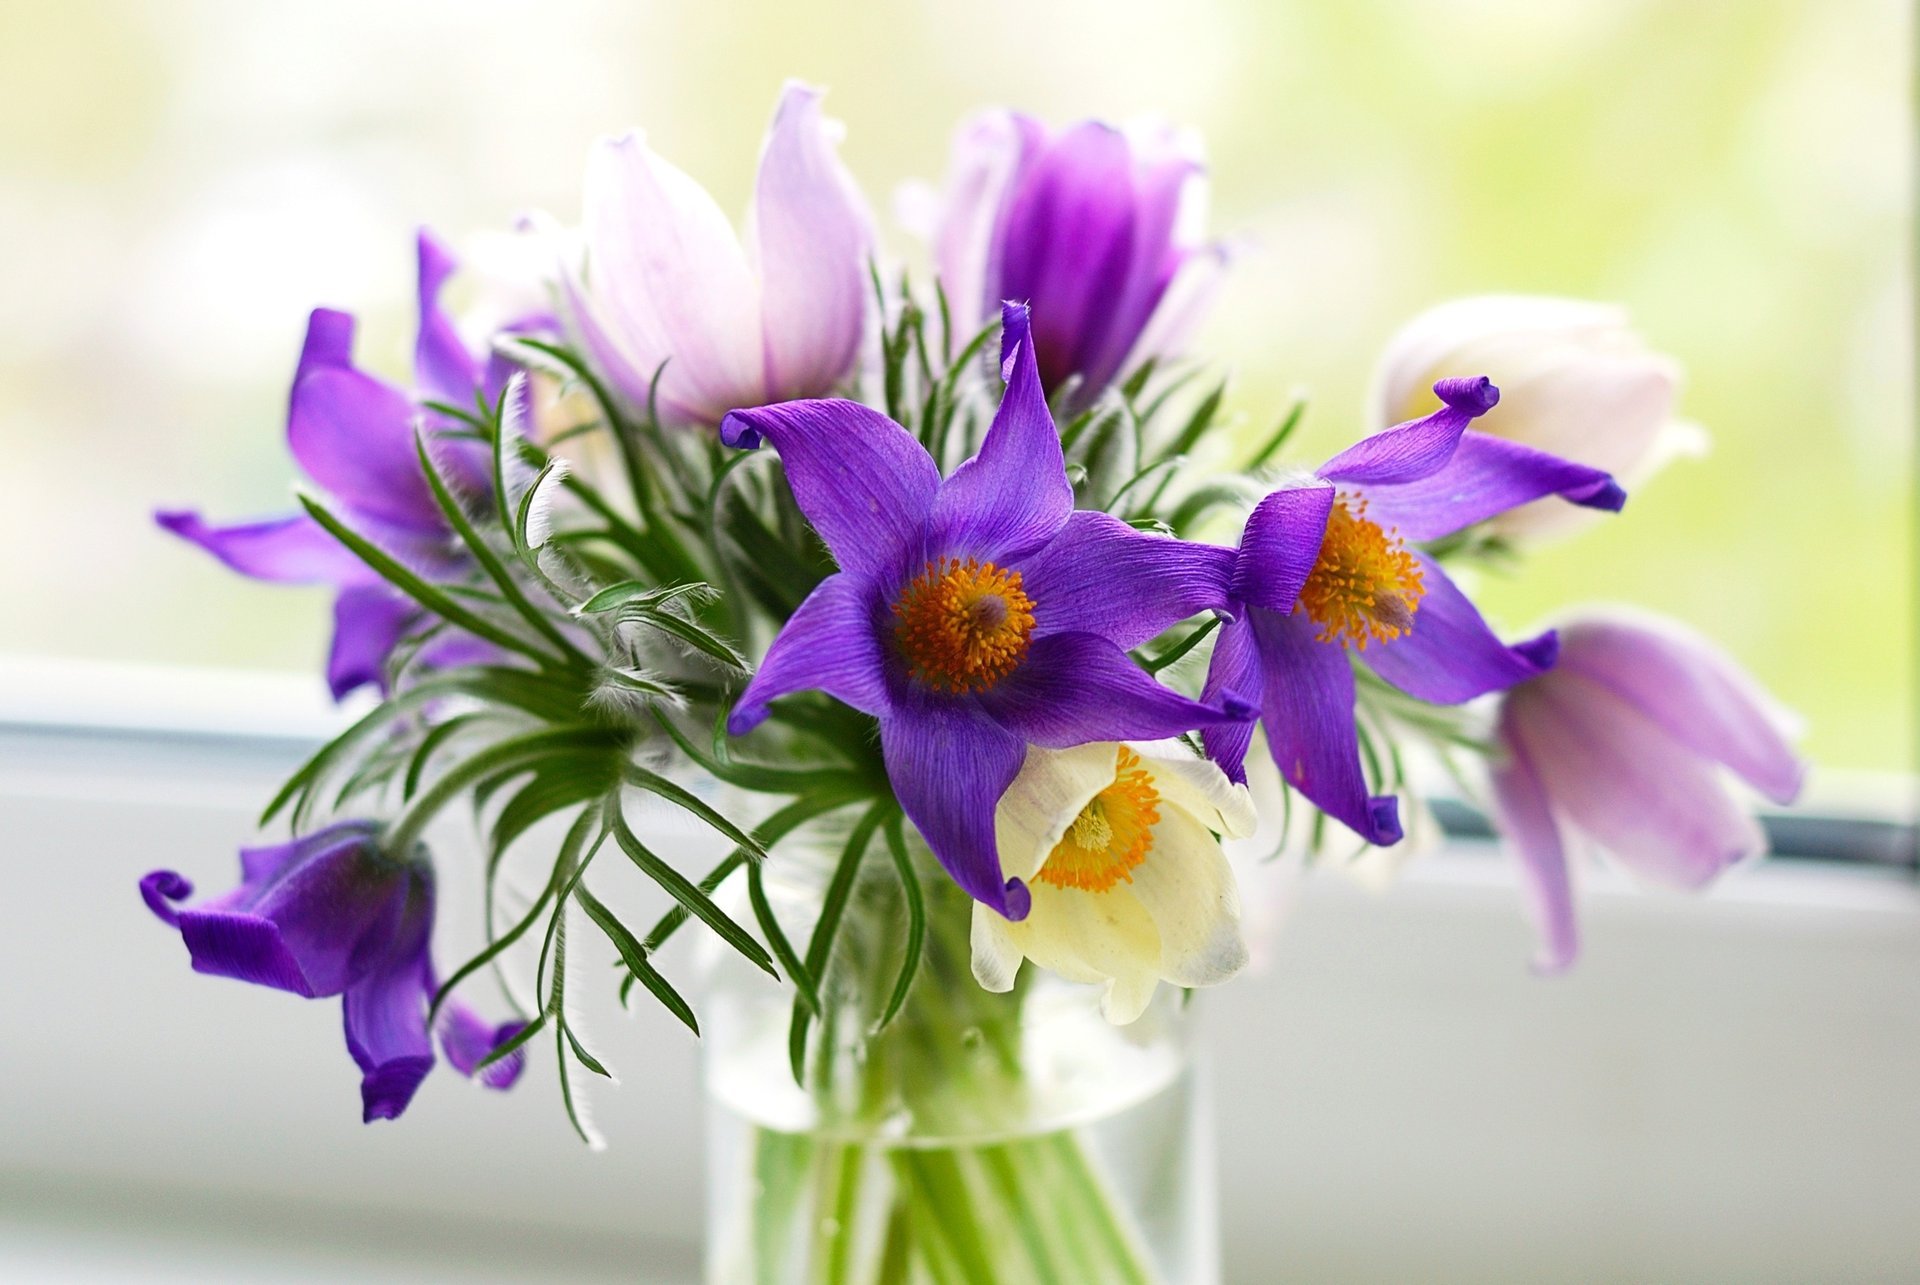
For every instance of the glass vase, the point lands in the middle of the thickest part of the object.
(975, 1137)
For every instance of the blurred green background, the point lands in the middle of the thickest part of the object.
(179, 183)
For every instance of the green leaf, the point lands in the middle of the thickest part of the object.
(1199, 422)
(642, 592)
(635, 957)
(769, 832)
(916, 922)
(551, 790)
(567, 860)
(483, 552)
(1157, 663)
(833, 906)
(683, 891)
(689, 633)
(783, 949)
(436, 737)
(585, 1058)
(1271, 447)
(654, 783)
(431, 597)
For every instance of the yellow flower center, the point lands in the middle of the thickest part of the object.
(963, 626)
(1112, 834)
(1365, 586)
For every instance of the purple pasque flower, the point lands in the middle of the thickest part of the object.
(973, 616)
(1100, 229)
(668, 283)
(353, 435)
(332, 914)
(1326, 568)
(1629, 742)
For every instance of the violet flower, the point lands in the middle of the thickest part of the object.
(331, 914)
(1325, 568)
(353, 434)
(669, 288)
(1629, 742)
(973, 616)
(1098, 228)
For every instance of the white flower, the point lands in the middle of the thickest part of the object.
(1130, 888)
(666, 279)
(1575, 379)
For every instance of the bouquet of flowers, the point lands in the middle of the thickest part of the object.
(956, 620)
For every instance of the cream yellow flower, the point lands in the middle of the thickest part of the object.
(1129, 885)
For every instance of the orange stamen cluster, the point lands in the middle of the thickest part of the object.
(1112, 834)
(963, 626)
(1366, 586)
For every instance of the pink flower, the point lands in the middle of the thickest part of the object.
(666, 279)
(1628, 741)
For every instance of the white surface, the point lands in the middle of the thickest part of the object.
(1727, 1088)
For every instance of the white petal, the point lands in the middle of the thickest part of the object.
(1198, 787)
(1127, 997)
(1188, 889)
(1090, 936)
(811, 236)
(668, 279)
(1052, 788)
(996, 959)
(1433, 340)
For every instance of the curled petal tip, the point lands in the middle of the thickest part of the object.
(1383, 820)
(1239, 709)
(1019, 900)
(1542, 652)
(1475, 396)
(1608, 496)
(745, 718)
(160, 889)
(737, 432)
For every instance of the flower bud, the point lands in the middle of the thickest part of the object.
(1576, 380)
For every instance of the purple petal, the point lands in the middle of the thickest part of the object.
(385, 1013)
(160, 889)
(670, 283)
(812, 236)
(1526, 817)
(1067, 243)
(1280, 546)
(831, 644)
(1100, 576)
(990, 154)
(328, 345)
(865, 483)
(354, 436)
(949, 766)
(1408, 452)
(1013, 496)
(1695, 692)
(1075, 688)
(1307, 710)
(443, 369)
(1232, 673)
(469, 1039)
(311, 925)
(1450, 655)
(1158, 183)
(1487, 476)
(368, 623)
(1658, 806)
(291, 550)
